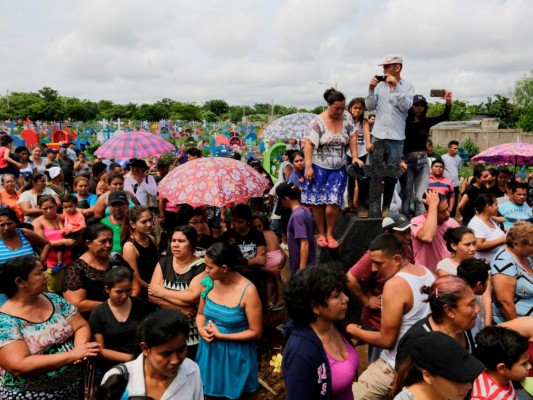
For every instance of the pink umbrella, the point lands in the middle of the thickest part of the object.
(214, 181)
(506, 154)
(138, 144)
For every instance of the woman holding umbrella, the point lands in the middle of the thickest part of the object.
(329, 134)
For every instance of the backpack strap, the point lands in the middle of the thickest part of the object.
(123, 370)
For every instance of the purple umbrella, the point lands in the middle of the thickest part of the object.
(507, 154)
(139, 144)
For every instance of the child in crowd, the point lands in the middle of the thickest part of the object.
(7, 164)
(505, 355)
(73, 223)
(476, 273)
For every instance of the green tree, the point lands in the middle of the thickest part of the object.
(217, 107)
(461, 111)
(50, 107)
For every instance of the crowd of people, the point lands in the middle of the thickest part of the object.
(108, 291)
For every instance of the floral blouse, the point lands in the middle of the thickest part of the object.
(55, 335)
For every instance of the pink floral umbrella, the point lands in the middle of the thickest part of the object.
(507, 154)
(138, 144)
(214, 181)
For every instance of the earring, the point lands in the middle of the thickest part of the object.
(317, 313)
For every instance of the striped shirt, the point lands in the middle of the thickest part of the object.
(486, 388)
(25, 249)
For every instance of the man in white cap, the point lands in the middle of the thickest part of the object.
(391, 97)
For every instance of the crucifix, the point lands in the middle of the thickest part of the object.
(375, 172)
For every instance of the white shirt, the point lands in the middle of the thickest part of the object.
(482, 230)
(148, 186)
(186, 385)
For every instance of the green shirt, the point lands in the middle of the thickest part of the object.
(117, 248)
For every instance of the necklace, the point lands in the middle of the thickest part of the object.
(186, 264)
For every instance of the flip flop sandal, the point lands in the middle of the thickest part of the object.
(332, 243)
(322, 242)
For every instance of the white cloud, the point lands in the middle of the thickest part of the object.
(249, 51)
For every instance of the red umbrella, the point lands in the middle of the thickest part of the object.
(214, 181)
(138, 144)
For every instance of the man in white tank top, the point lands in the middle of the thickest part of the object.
(402, 305)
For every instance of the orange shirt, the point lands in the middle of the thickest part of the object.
(11, 201)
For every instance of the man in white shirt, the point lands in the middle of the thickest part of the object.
(140, 183)
(391, 97)
(452, 165)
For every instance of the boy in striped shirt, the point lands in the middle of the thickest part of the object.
(505, 355)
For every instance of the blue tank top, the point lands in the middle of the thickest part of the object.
(24, 250)
(7, 254)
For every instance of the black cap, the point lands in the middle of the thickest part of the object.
(397, 222)
(442, 355)
(418, 98)
(51, 151)
(118, 196)
(287, 189)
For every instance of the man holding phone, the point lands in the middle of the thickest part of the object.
(391, 97)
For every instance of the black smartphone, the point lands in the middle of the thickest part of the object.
(436, 93)
(381, 78)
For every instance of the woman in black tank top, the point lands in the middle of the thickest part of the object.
(139, 248)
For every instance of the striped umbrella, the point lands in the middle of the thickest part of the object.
(138, 144)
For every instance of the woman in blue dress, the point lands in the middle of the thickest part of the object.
(229, 321)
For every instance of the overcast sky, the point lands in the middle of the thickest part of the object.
(256, 51)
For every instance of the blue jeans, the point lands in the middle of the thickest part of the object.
(415, 180)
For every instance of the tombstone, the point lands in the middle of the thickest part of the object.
(30, 137)
(376, 171)
(355, 234)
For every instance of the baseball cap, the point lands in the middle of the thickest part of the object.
(51, 151)
(418, 98)
(118, 196)
(53, 172)
(392, 59)
(441, 355)
(285, 189)
(397, 222)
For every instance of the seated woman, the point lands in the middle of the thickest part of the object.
(162, 370)
(453, 311)
(114, 323)
(83, 284)
(229, 321)
(43, 339)
(436, 368)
